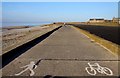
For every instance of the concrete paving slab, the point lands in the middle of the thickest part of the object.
(62, 68)
(66, 52)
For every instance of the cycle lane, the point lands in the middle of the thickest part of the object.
(65, 53)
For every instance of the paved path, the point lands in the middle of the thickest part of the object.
(65, 53)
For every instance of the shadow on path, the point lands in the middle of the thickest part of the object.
(11, 55)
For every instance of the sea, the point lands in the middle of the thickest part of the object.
(23, 24)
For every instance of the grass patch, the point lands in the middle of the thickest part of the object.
(114, 48)
(104, 24)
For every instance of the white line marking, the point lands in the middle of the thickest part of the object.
(28, 67)
(94, 68)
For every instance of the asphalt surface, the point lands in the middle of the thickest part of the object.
(66, 52)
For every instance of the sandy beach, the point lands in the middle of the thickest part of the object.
(15, 36)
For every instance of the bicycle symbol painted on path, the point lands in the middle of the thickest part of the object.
(94, 68)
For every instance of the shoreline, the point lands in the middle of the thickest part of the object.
(23, 24)
(16, 37)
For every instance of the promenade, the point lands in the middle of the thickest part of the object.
(66, 52)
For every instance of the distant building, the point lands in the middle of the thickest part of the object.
(108, 21)
(96, 21)
(116, 20)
